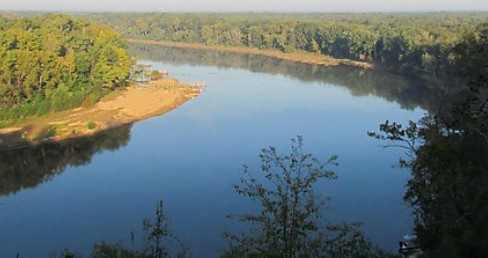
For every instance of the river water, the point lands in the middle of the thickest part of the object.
(78, 193)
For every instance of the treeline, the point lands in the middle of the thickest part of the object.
(447, 160)
(409, 43)
(409, 93)
(55, 62)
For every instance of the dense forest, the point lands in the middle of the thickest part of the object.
(410, 43)
(56, 62)
(409, 93)
(447, 160)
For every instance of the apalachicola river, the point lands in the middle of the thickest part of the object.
(77, 194)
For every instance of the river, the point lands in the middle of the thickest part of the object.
(77, 193)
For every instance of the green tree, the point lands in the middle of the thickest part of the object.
(417, 44)
(55, 62)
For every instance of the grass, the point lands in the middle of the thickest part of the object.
(18, 117)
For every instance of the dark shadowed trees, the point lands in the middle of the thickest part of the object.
(448, 163)
(289, 222)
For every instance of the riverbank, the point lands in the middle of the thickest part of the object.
(305, 57)
(124, 106)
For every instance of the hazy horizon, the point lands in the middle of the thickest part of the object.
(245, 6)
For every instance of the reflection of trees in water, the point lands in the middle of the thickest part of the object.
(408, 93)
(289, 224)
(29, 167)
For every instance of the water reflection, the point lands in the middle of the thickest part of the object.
(408, 93)
(28, 167)
(192, 156)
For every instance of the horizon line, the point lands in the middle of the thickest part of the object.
(250, 11)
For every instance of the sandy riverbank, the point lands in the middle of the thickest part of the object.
(305, 57)
(122, 107)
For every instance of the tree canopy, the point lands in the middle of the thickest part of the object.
(55, 62)
(408, 42)
(448, 162)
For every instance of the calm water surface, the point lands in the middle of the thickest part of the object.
(75, 194)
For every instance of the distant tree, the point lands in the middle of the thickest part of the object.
(417, 44)
(472, 60)
(472, 57)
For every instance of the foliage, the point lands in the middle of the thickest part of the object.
(472, 52)
(288, 224)
(91, 125)
(66, 254)
(117, 250)
(159, 242)
(156, 231)
(448, 163)
(447, 189)
(55, 62)
(412, 43)
(407, 92)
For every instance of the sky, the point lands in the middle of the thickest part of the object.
(246, 5)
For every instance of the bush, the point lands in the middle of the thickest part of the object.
(91, 125)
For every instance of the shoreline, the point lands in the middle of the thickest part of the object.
(122, 107)
(131, 105)
(305, 57)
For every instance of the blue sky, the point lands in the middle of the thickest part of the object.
(245, 5)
